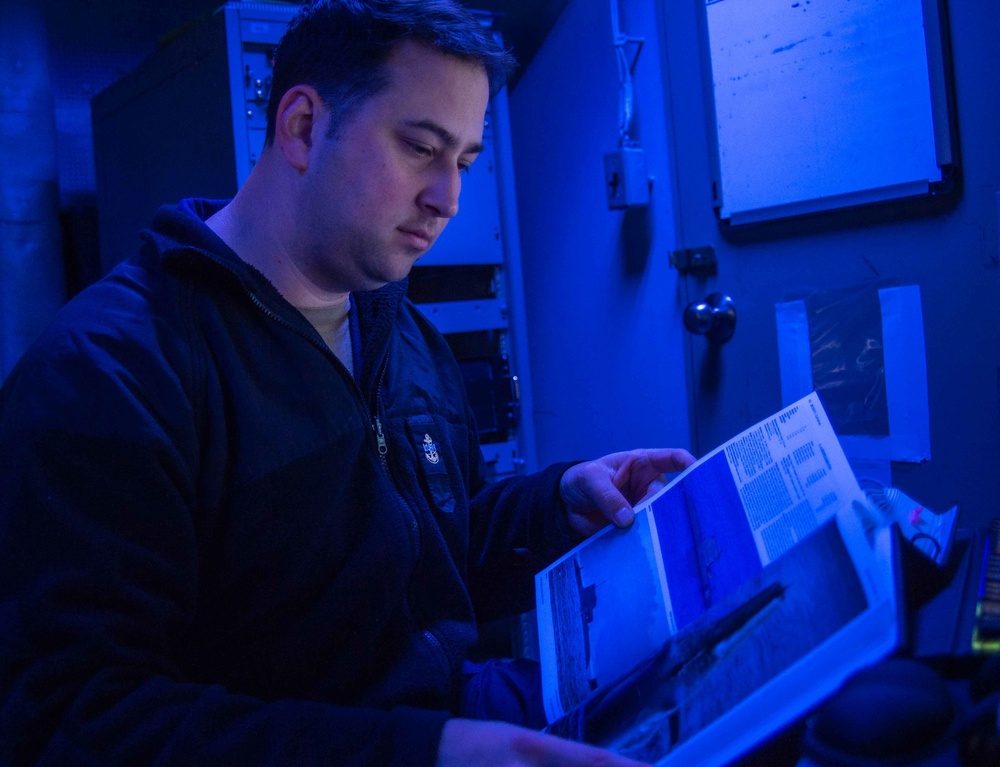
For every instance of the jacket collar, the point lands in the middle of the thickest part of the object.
(184, 243)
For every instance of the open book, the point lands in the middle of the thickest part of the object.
(745, 593)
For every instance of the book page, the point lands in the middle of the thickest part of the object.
(714, 539)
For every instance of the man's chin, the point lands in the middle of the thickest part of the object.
(386, 276)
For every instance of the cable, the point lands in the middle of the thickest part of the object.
(625, 69)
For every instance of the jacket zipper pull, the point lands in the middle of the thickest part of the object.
(382, 448)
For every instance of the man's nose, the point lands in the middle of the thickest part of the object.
(440, 196)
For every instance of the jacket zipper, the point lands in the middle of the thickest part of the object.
(383, 447)
(381, 444)
(383, 450)
(380, 441)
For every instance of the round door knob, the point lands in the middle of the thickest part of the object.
(714, 318)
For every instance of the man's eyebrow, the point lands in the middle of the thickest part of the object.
(449, 138)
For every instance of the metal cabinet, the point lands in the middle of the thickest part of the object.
(190, 121)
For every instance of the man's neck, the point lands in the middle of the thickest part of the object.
(254, 241)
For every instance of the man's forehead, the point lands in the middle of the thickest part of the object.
(410, 60)
(438, 92)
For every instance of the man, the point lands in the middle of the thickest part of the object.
(220, 541)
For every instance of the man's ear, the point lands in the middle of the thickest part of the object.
(299, 112)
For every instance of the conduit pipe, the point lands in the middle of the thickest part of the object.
(32, 268)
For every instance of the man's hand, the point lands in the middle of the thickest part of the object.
(471, 743)
(602, 491)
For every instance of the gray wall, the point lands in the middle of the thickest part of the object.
(602, 302)
(951, 253)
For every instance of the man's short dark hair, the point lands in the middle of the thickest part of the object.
(340, 47)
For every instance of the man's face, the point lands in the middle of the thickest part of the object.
(379, 193)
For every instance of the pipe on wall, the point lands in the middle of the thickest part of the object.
(32, 270)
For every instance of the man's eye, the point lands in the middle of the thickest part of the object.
(420, 149)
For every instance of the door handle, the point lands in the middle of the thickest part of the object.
(714, 318)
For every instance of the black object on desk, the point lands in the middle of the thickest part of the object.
(938, 706)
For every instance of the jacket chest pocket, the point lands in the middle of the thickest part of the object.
(432, 454)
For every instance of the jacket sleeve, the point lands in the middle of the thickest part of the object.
(518, 526)
(99, 571)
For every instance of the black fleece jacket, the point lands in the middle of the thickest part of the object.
(208, 556)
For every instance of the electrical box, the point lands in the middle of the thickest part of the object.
(626, 179)
(190, 121)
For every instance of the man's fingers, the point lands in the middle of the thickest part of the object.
(605, 490)
(669, 459)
